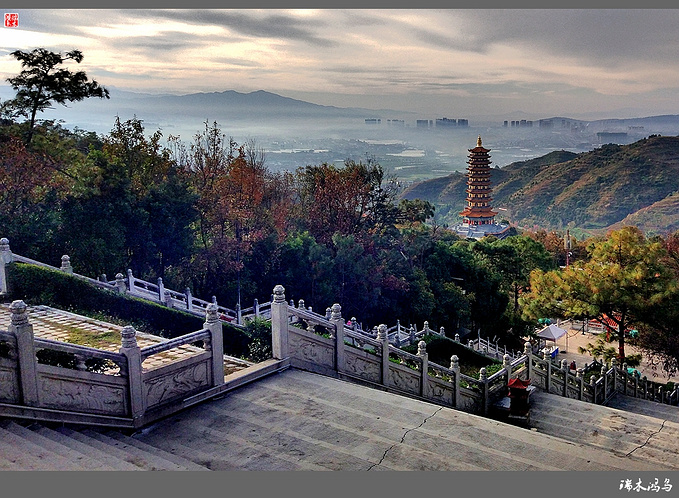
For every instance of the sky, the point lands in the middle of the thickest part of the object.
(549, 62)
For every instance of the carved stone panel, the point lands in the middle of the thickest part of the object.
(440, 392)
(311, 351)
(167, 387)
(406, 381)
(362, 367)
(82, 396)
(9, 388)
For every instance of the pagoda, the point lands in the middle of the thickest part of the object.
(478, 218)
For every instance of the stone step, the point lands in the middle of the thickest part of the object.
(147, 460)
(29, 456)
(133, 460)
(620, 432)
(645, 407)
(84, 461)
(105, 458)
(184, 463)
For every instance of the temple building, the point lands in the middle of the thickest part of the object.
(478, 218)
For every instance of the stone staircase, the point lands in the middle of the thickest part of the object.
(38, 447)
(628, 427)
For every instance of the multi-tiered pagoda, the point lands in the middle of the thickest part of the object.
(478, 218)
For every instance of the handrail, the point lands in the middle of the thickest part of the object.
(199, 335)
(79, 350)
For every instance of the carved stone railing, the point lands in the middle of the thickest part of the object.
(129, 284)
(129, 388)
(327, 346)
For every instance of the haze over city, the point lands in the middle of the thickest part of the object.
(582, 63)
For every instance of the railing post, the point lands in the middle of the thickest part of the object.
(564, 369)
(455, 367)
(135, 381)
(5, 259)
(256, 308)
(279, 324)
(579, 376)
(214, 325)
(424, 358)
(442, 332)
(412, 334)
(66, 265)
(189, 299)
(528, 351)
(161, 292)
(625, 377)
(483, 378)
(120, 283)
(457, 337)
(383, 337)
(130, 281)
(547, 359)
(239, 315)
(603, 374)
(614, 366)
(28, 368)
(592, 382)
(507, 365)
(338, 322)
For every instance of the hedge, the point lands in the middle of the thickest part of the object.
(37, 285)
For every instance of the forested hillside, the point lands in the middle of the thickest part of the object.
(592, 190)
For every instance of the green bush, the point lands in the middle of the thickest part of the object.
(37, 285)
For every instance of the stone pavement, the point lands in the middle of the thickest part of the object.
(59, 325)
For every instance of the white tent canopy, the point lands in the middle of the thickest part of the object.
(551, 332)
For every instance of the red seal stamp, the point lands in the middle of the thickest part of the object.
(12, 20)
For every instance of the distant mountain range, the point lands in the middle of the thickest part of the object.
(593, 191)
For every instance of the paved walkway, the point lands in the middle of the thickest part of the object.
(59, 325)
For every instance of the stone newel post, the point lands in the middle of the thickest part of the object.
(337, 320)
(5, 259)
(455, 367)
(528, 351)
(424, 356)
(383, 337)
(131, 350)
(66, 264)
(214, 325)
(279, 324)
(121, 287)
(28, 370)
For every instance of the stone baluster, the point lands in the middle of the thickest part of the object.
(614, 366)
(130, 282)
(603, 375)
(162, 297)
(239, 315)
(5, 259)
(338, 323)
(442, 332)
(301, 305)
(256, 307)
(328, 313)
(279, 324)
(548, 361)
(189, 299)
(66, 265)
(426, 330)
(528, 351)
(121, 288)
(455, 367)
(564, 369)
(579, 374)
(457, 337)
(625, 377)
(383, 337)
(592, 383)
(412, 334)
(28, 369)
(214, 325)
(424, 362)
(507, 365)
(354, 323)
(130, 349)
(483, 378)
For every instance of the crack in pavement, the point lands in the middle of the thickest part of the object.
(648, 439)
(402, 439)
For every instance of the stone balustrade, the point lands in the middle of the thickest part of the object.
(120, 390)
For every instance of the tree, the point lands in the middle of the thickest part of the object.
(43, 81)
(621, 283)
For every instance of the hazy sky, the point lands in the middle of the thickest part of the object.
(460, 62)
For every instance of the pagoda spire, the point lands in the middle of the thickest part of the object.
(478, 210)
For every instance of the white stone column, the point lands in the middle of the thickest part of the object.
(66, 264)
(5, 259)
(424, 358)
(120, 283)
(28, 365)
(483, 378)
(455, 367)
(383, 337)
(564, 369)
(528, 351)
(338, 322)
(279, 324)
(214, 325)
(135, 381)
(507, 365)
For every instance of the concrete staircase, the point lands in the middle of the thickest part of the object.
(37, 447)
(628, 427)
